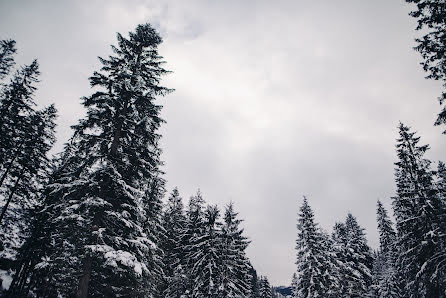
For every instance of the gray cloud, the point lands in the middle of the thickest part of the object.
(272, 101)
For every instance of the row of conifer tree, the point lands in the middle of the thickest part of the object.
(91, 221)
(411, 259)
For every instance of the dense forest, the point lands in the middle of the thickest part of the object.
(97, 220)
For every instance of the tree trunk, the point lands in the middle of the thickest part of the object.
(82, 290)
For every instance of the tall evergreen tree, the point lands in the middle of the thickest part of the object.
(420, 220)
(205, 248)
(174, 223)
(431, 17)
(26, 136)
(354, 259)
(264, 288)
(312, 262)
(294, 285)
(254, 284)
(194, 229)
(385, 280)
(99, 204)
(234, 276)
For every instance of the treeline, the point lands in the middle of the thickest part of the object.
(92, 221)
(411, 259)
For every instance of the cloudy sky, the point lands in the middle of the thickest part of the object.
(274, 100)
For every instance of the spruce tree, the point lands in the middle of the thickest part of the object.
(174, 223)
(100, 206)
(354, 258)
(420, 221)
(431, 17)
(312, 262)
(385, 279)
(294, 285)
(193, 231)
(254, 282)
(26, 136)
(234, 273)
(7, 51)
(264, 288)
(206, 270)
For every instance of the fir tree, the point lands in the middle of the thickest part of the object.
(420, 220)
(294, 285)
(264, 288)
(312, 263)
(174, 223)
(7, 51)
(385, 280)
(354, 259)
(205, 257)
(99, 206)
(254, 283)
(26, 136)
(431, 17)
(234, 276)
(193, 231)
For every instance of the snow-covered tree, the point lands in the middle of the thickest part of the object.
(265, 290)
(174, 223)
(193, 230)
(420, 220)
(312, 261)
(354, 259)
(99, 204)
(384, 277)
(205, 257)
(254, 283)
(234, 274)
(294, 285)
(26, 136)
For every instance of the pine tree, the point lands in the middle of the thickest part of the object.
(26, 136)
(354, 259)
(312, 263)
(99, 205)
(174, 223)
(264, 288)
(194, 229)
(7, 51)
(234, 277)
(420, 220)
(254, 282)
(385, 280)
(431, 16)
(204, 254)
(294, 285)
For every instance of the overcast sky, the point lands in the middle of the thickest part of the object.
(274, 100)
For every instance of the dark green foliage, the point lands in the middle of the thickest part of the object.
(26, 136)
(421, 226)
(7, 50)
(431, 17)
